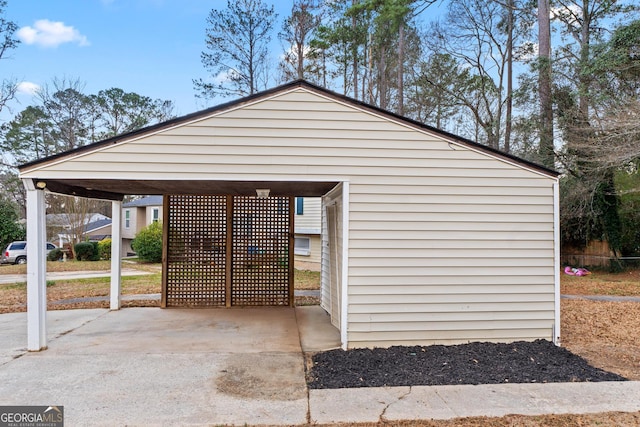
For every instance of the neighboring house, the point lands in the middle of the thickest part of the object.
(308, 228)
(59, 227)
(427, 237)
(98, 230)
(136, 215)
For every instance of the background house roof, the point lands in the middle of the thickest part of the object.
(96, 225)
(145, 201)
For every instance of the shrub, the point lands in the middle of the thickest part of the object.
(148, 243)
(55, 255)
(104, 249)
(87, 251)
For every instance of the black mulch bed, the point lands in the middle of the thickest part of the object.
(475, 363)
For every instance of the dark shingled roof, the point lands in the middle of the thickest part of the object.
(145, 201)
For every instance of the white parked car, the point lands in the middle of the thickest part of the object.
(16, 252)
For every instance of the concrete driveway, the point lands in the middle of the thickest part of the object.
(147, 366)
(154, 367)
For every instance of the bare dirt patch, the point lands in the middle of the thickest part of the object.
(621, 419)
(599, 283)
(13, 298)
(263, 376)
(607, 334)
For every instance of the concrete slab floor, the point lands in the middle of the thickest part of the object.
(13, 329)
(154, 330)
(147, 366)
(316, 331)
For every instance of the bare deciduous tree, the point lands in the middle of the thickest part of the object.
(237, 42)
(8, 87)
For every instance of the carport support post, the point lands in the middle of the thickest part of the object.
(36, 268)
(116, 254)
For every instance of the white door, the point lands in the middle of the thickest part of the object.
(334, 265)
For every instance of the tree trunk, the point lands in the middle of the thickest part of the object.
(583, 76)
(401, 69)
(382, 89)
(545, 147)
(509, 106)
(354, 52)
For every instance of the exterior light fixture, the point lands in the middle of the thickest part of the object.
(41, 185)
(262, 193)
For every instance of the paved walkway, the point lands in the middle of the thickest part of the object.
(68, 275)
(148, 366)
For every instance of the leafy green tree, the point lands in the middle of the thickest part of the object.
(592, 152)
(344, 38)
(29, 136)
(237, 42)
(69, 111)
(119, 112)
(148, 243)
(66, 118)
(10, 229)
(300, 59)
(436, 80)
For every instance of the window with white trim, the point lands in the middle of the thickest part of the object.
(302, 246)
(127, 218)
(155, 214)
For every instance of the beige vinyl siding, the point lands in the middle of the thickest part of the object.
(472, 261)
(310, 218)
(141, 218)
(325, 294)
(315, 246)
(446, 243)
(149, 214)
(331, 277)
(130, 232)
(309, 225)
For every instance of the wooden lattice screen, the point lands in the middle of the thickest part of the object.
(195, 272)
(227, 250)
(260, 251)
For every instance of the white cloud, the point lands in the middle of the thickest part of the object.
(225, 76)
(568, 14)
(47, 33)
(28, 88)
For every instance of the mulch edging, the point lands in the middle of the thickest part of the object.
(475, 363)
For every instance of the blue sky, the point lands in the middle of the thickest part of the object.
(151, 47)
